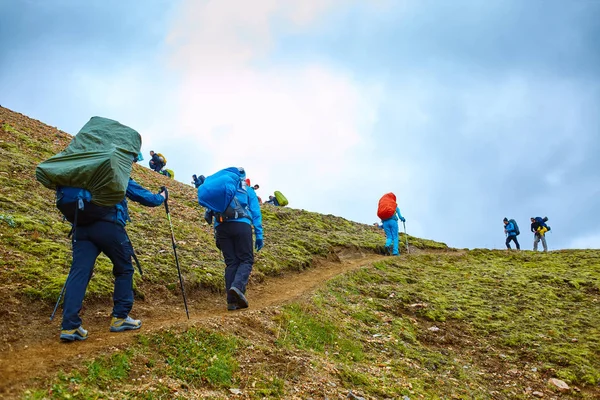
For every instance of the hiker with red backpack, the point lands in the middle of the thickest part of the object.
(511, 229)
(389, 213)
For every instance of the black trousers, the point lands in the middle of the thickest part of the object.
(110, 239)
(514, 239)
(235, 241)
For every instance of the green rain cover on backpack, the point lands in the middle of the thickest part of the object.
(281, 199)
(99, 159)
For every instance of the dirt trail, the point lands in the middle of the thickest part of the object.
(38, 352)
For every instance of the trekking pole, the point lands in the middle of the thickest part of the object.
(59, 297)
(406, 236)
(164, 189)
(73, 240)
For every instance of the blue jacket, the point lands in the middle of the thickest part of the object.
(397, 216)
(138, 194)
(249, 201)
(510, 229)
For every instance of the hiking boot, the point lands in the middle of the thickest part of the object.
(241, 299)
(124, 324)
(232, 307)
(71, 335)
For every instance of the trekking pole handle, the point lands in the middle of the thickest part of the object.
(164, 189)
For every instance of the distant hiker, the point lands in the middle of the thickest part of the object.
(278, 199)
(157, 162)
(198, 180)
(234, 216)
(539, 229)
(96, 205)
(511, 229)
(256, 187)
(389, 213)
(272, 200)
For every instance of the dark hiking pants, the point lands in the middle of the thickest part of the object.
(110, 239)
(235, 241)
(514, 239)
(156, 166)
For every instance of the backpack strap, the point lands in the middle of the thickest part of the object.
(80, 206)
(137, 262)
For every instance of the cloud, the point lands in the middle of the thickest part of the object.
(218, 35)
(468, 112)
(294, 127)
(586, 242)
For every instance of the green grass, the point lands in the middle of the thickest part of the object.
(537, 309)
(195, 358)
(369, 332)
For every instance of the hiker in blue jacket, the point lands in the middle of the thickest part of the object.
(511, 234)
(198, 180)
(234, 238)
(108, 236)
(390, 226)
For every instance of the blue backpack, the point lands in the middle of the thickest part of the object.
(517, 231)
(218, 194)
(76, 206)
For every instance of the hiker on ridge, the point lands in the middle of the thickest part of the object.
(511, 231)
(157, 162)
(539, 229)
(272, 200)
(198, 180)
(108, 236)
(234, 232)
(256, 187)
(389, 213)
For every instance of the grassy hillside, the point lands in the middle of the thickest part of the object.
(473, 325)
(436, 324)
(35, 250)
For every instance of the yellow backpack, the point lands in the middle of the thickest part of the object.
(168, 173)
(163, 158)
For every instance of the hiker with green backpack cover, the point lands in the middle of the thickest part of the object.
(92, 181)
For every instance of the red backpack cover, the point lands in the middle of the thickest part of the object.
(387, 206)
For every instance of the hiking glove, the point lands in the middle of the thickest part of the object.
(208, 217)
(402, 219)
(258, 244)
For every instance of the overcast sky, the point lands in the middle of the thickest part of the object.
(469, 111)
